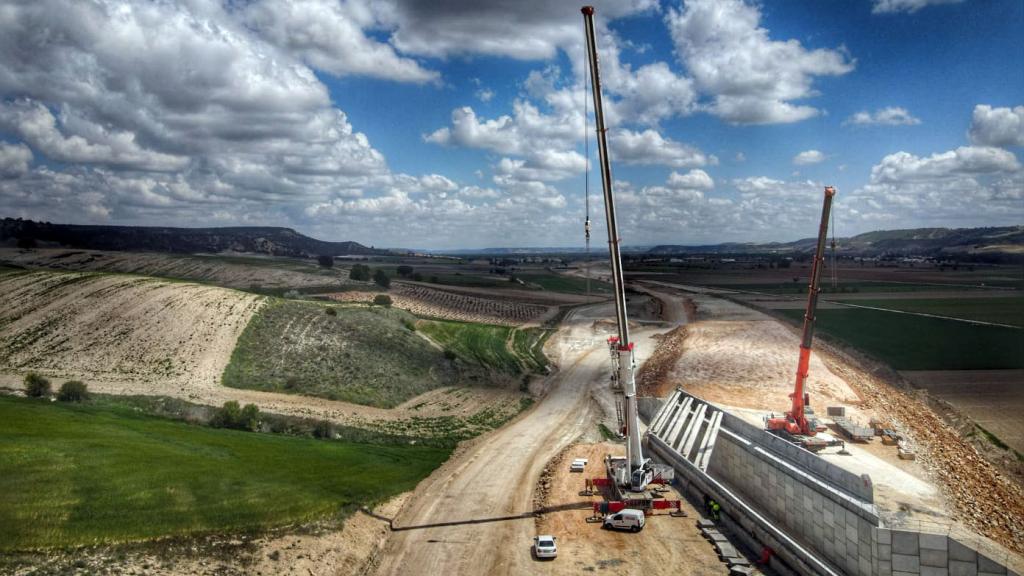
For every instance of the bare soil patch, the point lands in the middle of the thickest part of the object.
(229, 271)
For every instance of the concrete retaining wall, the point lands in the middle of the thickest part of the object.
(831, 523)
(818, 517)
(908, 553)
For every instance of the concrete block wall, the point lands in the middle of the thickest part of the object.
(859, 486)
(834, 526)
(910, 553)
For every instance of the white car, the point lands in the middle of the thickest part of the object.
(628, 519)
(544, 547)
(577, 467)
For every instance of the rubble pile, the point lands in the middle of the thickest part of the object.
(653, 377)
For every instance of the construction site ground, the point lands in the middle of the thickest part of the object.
(667, 545)
(744, 361)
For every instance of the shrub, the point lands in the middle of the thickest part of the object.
(250, 418)
(36, 386)
(381, 278)
(382, 300)
(325, 260)
(323, 429)
(73, 391)
(404, 270)
(226, 415)
(230, 415)
(416, 276)
(360, 272)
(449, 354)
(330, 311)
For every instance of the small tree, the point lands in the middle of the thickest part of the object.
(416, 276)
(325, 260)
(330, 311)
(36, 386)
(73, 391)
(360, 272)
(404, 270)
(381, 278)
(382, 300)
(227, 415)
(249, 419)
(323, 429)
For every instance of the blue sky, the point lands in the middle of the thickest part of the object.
(462, 125)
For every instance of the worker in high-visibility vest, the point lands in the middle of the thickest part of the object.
(715, 508)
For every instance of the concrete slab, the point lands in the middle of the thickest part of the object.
(934, 541)
(906, 563)
(936, 558)
(960, 568)
(989, 566)
(905, 543)
(961, 553)
(934, 571)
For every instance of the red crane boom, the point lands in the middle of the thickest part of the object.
(795, 421)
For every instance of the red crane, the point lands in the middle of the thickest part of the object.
(799, 423)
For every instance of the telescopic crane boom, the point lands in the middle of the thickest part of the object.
(796, 422)
(641, 470)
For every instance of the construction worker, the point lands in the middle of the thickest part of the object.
(715, 508)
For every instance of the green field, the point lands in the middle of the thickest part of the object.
(568, 284)
(499, 348)
(919, 343)
(998, 310)
(362, 355)
(79, 475)
(867, 286)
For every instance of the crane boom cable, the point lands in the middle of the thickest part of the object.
(586, 173)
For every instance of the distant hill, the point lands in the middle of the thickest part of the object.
(931, 242)
(254, 240)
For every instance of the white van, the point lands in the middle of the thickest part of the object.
(632, 520)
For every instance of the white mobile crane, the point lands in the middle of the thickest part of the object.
(640, 469)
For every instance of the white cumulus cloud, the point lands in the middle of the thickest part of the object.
(808, 157)
(908, 6)
(752, 78)
(997, 126)
(890, 116)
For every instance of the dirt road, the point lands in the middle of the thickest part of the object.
(475, 516)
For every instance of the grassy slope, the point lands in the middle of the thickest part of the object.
(499, 348)
(366, 356)
(998, 310)
(74, 475)
(919, 343)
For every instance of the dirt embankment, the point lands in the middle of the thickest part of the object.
(120, 328)
(985, 498)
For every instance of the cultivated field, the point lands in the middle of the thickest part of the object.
(908, 342)
(120, 328)
(79, 475)
(992, 398)
(498, 348)
(256, 273)
(446, 305)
